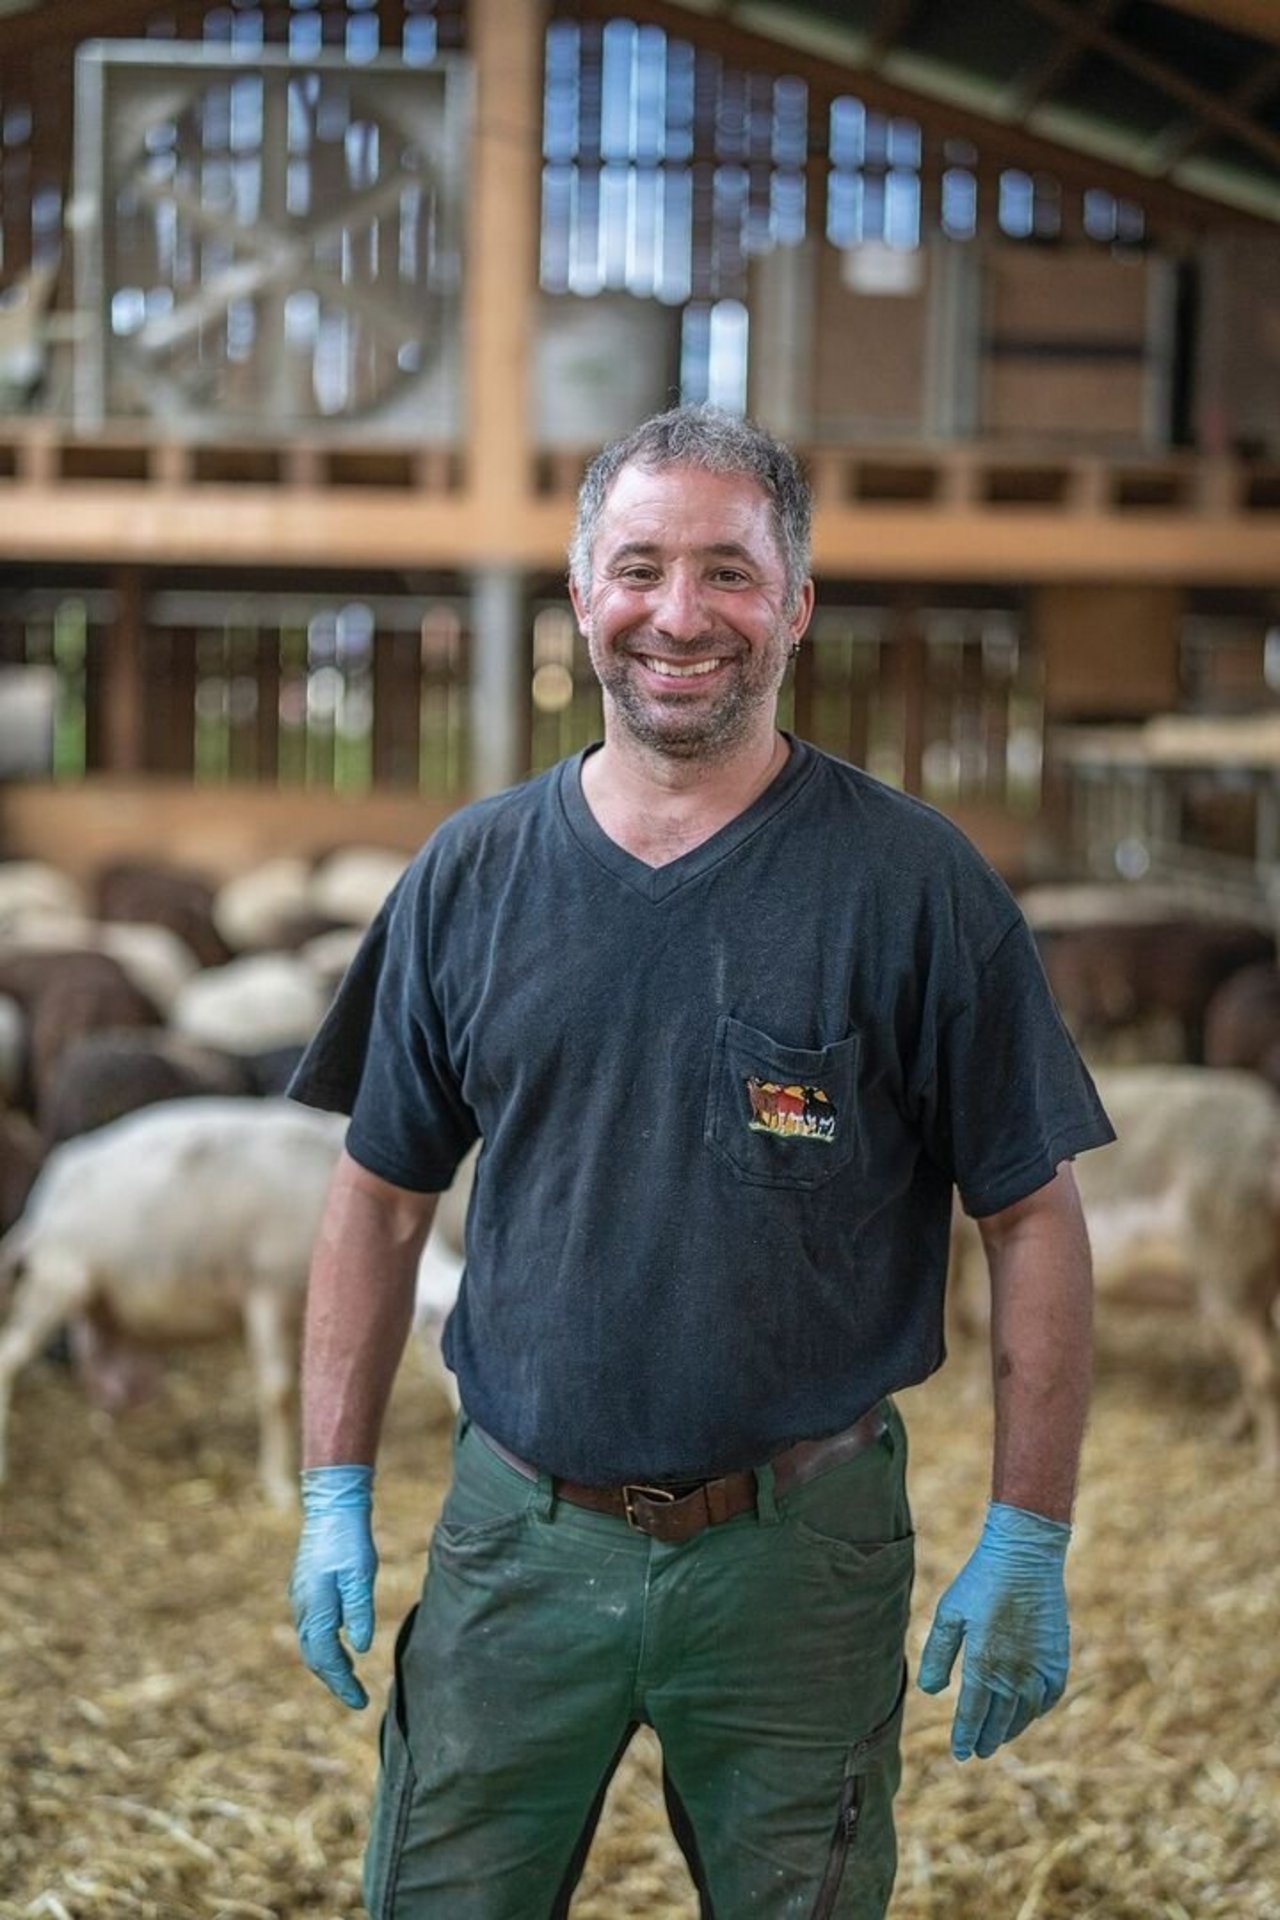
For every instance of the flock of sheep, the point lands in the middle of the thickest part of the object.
(1185, 1207)
(155, 1186)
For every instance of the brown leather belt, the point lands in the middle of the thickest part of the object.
(676, 1513)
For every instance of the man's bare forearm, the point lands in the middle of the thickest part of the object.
(1041, 1346)
(359, 1311)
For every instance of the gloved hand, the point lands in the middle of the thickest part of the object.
(333, 1575)
(1009, 1604)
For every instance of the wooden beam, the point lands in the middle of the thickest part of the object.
(241, 526)
(1259, 18)
(1063, 60)
(1175, 146)
(71, 21)
(1009, 145)
(895, 18)
(1157, 73)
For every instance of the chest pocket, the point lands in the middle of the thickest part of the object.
(781, 1116)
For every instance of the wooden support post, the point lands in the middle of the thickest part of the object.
(304, 464)
(958, 479)
(1267, 825)
(858, 721)
(397, 709)
(267, 710)
(1088, 485)
(912, 677)
(122, 688)
(169, 463)
(502, 253)
(157, 709)
(502, 277)
(37, 456)
(1218, 485)
(180, 753)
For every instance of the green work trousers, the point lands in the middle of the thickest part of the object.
(766, 1653)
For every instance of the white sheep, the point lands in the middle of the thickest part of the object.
(259, 1001)
(256, 908)
(351, 884)
(30, 887)
(330, 954)
(179, 1222)
(182, 1221)
(1184, 1206)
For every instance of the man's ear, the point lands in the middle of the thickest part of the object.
(581, 607)
(799, 620)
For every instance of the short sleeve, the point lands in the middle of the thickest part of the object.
(381, 1054)
(1010, 1098)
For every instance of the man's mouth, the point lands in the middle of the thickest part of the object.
(670, 670)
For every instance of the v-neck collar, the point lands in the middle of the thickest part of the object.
(658, 883)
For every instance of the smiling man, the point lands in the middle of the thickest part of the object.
(734, 1021)
(689, 614)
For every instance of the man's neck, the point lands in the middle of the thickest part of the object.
(658, 807)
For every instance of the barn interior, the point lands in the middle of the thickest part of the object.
(311, 314)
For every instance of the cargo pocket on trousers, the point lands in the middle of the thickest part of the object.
(863, 1856)
(393, 1799)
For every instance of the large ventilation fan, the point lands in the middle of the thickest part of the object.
(267, 243)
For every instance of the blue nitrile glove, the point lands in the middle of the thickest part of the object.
(333, 1575)
(1009, 1604)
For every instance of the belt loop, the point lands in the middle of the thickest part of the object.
(766, 1500)
(544, 1498)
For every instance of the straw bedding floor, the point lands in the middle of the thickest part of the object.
(164, 1757)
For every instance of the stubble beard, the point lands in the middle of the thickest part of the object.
(690, 730)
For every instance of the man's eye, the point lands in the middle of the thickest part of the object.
(638, 576)
(729, 577)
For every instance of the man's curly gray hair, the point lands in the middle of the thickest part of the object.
(718, 442)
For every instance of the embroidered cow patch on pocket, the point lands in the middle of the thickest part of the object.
(791, 1112)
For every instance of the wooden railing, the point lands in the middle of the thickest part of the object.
(939, 476)
(986, 510)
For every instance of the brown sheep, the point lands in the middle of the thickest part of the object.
(105, 1075)
(65, 996)
(1106, 978)
(1242, 1025)
(21, 1155)
(162, 896)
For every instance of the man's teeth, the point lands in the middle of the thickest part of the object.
(671, 671)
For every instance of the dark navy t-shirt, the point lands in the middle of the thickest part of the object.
(723, 1104)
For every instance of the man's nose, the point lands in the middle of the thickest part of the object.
(680, 608)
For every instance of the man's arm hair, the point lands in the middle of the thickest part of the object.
(1041, 1344)
(359, 1311)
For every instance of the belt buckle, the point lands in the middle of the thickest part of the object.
(663, 1495)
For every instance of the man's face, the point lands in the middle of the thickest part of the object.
(685, 620)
